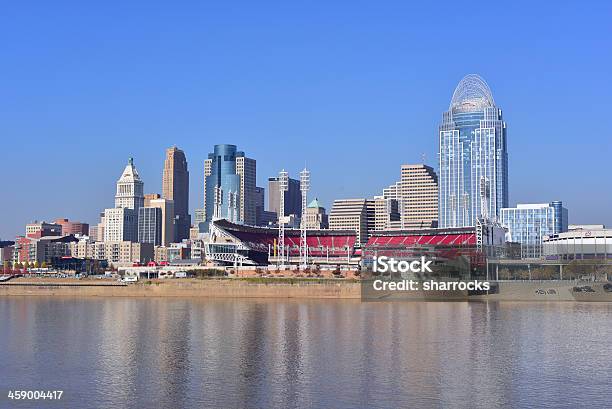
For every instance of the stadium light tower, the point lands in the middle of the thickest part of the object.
(304, 187)
(283, 186)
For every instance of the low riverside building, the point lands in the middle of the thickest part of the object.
(179, 251)
(6, 252)
(160, 254)
(592, 242)
(528, 224)
(128, 252)
(117, 253)
(197, 250)
(43, 249)
(86, 247)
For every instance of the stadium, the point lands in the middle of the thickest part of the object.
(579, 244)
(463, 248)
(452, 250)
(232, 244)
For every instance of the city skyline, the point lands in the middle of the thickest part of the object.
(323, 103)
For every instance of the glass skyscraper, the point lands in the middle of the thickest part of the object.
(527, 224)
(235, 174)
(473, 157)
(150, 225)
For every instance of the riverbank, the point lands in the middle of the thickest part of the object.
(219, 288)
(545, 291)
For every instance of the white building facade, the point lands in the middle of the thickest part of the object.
(121, 222)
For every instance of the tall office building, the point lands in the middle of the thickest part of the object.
(352, 214)
(93, 233)
(100, 232)
(315, 217)
(293, 197)
(528, 224)
(121, 222)
(150, 225)
(473, 156)
(386, 214)
(199, 216)
(130, 188)
(150, 196)
(260, 199)
(167, 219)
(371, 215)
(247, 170)
(417, 197)
(235, 174)
(391, 191)
(175, 187)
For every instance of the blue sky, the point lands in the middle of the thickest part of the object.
(351, 88)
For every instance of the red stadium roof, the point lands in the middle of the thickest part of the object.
(232, 227)
(320, 242)
(407, 240)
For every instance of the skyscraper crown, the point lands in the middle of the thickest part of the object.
(130, 174)
(472, 94)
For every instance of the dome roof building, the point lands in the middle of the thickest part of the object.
(472, 94)
(473, 156)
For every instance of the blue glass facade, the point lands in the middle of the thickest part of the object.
(223, 173)
(527, 224)
(473, 157)
(561, 221)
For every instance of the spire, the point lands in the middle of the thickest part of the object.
(130, 174)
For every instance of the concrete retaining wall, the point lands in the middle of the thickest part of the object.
(192, 288)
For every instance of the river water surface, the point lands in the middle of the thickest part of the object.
(175, 353)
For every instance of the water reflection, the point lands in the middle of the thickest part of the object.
(322, 353)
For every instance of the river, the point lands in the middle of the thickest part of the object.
(248, 353)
